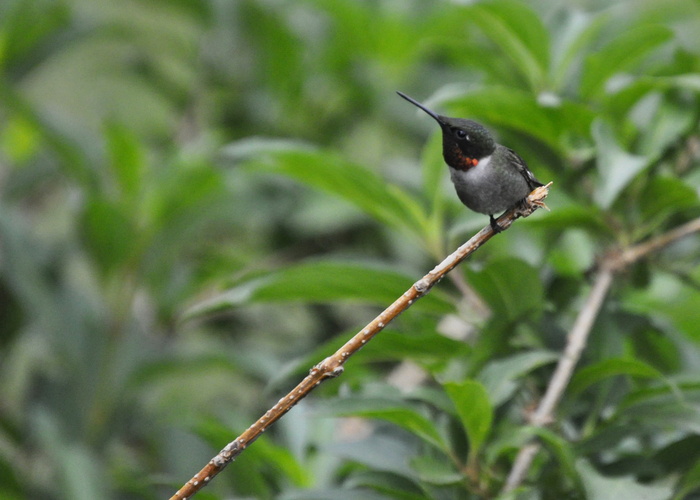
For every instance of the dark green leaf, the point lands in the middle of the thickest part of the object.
(511, 287)
(665, 196)
(424, 347)
(610, 368)
(109, 233)
(563, 451)
(689, 483)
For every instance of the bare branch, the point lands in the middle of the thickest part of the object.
(612, 262)
(544, 414)
(332, 366)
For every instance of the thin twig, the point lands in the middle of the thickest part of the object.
(637, 252)
(610, 264)
(332, 366)
(562, 374)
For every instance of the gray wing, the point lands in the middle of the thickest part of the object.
(516, 160)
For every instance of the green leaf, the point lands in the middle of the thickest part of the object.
(263, 454)
(613, 488)
(109, 232)
(671, 406)
(19, 139)
(689, 483)
(671, 298)
(620, 103)
(616, 167)
(434, 170)
(574, 216)
(499, 377)
(511, 287)
(126, 156)
(391, 411)
(563, 450)
(436, 470)
(574, 253)
(519, 32)
(610, 368)
(425, 347)
(663, 197)
(573, 40)
(521, 111)
(323, 281)
(430, 349)
(363, 188)
(474, 410)
(372, 484)
(668, 124)
(620, 55)
(71, 459)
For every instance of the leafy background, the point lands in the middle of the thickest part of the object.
(202, 199)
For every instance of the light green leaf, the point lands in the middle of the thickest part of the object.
(574, 216)
(433, 470)
(127, 158)
(613, 488)
(322, 281)
(616, 167)
(620, 55)
(323, 170)
(391, 411)
(573, 39)
(474, 410)
(574, 252)
(499, 377)
(519, 32)
(668, 123)
(671, 298)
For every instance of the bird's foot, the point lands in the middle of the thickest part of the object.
(494, 225)
(522, 206)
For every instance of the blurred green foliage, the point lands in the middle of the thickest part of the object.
(202, 199)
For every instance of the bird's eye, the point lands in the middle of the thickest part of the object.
(461, 134)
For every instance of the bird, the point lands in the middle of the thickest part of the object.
(489, 178)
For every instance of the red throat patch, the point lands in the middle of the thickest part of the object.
(465, 163)
(460, 161)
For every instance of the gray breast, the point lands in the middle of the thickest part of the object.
(488, 189)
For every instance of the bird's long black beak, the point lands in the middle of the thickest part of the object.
(416, 103)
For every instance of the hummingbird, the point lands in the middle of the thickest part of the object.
(488, 177)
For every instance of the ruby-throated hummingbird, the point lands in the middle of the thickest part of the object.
(489, 178)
